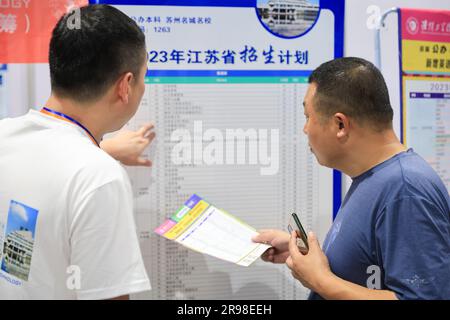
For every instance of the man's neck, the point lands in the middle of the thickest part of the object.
(371, 150)
(88, 116)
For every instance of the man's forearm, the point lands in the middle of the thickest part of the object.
(335, 288)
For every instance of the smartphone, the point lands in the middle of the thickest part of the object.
(302, 240)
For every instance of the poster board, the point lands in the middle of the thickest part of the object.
(424, 40)
(226, 80)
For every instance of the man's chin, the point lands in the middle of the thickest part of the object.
(315, 155)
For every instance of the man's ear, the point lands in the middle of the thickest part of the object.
(124, 86)
(342, 124)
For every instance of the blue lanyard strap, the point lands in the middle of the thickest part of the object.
(62, 116)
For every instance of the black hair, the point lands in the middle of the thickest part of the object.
(86, 61)
(354, 87)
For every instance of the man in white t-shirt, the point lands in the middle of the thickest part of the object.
(67, 229)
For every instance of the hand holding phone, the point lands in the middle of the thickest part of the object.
(302, 238)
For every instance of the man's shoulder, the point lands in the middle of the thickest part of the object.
(12, 123)
(404, 176)
(407, 168)
(77, 159)
(416, 172)
(94, 164)
(63, 151)
(411, 177)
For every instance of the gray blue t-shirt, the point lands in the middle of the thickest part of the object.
(394, 224)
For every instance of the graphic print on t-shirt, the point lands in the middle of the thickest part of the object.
(19, 240)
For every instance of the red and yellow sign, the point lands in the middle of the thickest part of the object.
(425, 41)
(26, 27)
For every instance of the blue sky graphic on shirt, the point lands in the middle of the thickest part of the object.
(19, 240)
(21, 216)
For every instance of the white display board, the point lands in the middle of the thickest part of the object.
(427, 121)
(225, 90)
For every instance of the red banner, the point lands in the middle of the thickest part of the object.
(26, 27)
(425, 25)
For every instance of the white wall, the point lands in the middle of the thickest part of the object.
(26, 86)
(42, 80)
(359, 41)
(15, 95)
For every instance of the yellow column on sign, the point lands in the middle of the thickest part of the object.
(187, 220)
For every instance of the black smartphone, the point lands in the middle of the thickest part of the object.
(302, 240)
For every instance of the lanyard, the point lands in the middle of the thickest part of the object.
(64, 117)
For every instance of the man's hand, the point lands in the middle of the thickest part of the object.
(127, 146)
(279, 240)
(311, 269)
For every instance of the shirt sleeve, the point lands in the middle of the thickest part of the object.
(104, 244)
(413, 241)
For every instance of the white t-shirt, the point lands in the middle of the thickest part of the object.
(67, 228)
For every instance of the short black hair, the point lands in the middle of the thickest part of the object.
(354, 87)
(85, 62)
